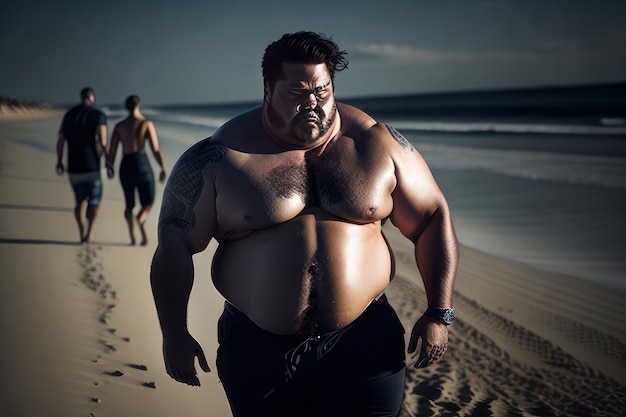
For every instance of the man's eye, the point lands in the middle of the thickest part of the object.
(321, 95)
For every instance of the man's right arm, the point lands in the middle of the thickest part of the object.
(110, 157)
(60, 145)
(172, 276)
(187, 223)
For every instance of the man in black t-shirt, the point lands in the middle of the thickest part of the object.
(85, 131)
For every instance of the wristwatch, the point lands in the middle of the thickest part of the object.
(446, 315)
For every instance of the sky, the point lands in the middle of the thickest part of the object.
(192, 52)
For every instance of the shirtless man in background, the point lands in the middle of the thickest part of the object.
(295, 192)
(135, 170)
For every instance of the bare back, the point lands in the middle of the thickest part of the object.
(132, 132)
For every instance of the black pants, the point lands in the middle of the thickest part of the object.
(355, 371)
(136, 173)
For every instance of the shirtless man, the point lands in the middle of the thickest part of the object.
(135, 170)
(84, 128)
(295, 192)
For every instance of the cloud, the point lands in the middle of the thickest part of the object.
(407, 53)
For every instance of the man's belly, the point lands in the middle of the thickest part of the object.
(313, 274)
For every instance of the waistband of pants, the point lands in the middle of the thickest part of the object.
(240, 315)
(83, 177)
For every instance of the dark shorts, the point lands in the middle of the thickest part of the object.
(87, 186)
(355, 371)
(136, 174)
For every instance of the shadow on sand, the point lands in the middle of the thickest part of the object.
(56, 242)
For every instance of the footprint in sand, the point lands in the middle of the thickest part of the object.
(140, 367)
(108, 346)
(479, 376)
(93, 278)
(116, 373)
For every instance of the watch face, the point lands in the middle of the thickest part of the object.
(448, 316)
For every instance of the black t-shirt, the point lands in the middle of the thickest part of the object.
(79, 128)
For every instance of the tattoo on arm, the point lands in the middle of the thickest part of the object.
(400, 139)
(186, 183)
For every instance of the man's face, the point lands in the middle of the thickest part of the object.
(90, 98)
(301, 108)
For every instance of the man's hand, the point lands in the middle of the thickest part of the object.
(432, 336)
(110, 170)
(60, 168)
(179, 355)
(162, 176)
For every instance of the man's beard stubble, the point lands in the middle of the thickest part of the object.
(321, 121)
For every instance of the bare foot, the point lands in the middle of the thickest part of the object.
(128, 215)
(144, 237)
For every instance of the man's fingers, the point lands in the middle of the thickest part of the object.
(431, 354)
(189, 378)
(415, 345)
(422, 362)
(204, 365)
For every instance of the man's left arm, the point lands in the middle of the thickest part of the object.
(421, 213)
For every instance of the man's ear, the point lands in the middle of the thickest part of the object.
(267, 94)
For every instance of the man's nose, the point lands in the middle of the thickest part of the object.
(310, 102)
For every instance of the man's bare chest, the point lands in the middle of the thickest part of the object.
(261, 190)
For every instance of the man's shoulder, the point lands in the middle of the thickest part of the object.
(98, 113)
(128, 121)
(207, 150)
(354, 118)
(204, 154)
(73, 110)
(359, 124)
(89, 114)
(369, 132)
(243, 127)
(71, 117)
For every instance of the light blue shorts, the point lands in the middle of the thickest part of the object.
(87, 186)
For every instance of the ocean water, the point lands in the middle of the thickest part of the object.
(537, 175)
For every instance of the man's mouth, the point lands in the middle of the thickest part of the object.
(312, 115)
(308, 116)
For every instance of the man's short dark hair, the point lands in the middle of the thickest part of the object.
(301, 48)
(86, 92)
(131, 102)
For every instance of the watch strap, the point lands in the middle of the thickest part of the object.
(445, 315)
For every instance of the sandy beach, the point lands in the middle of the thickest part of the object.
(80, 335)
